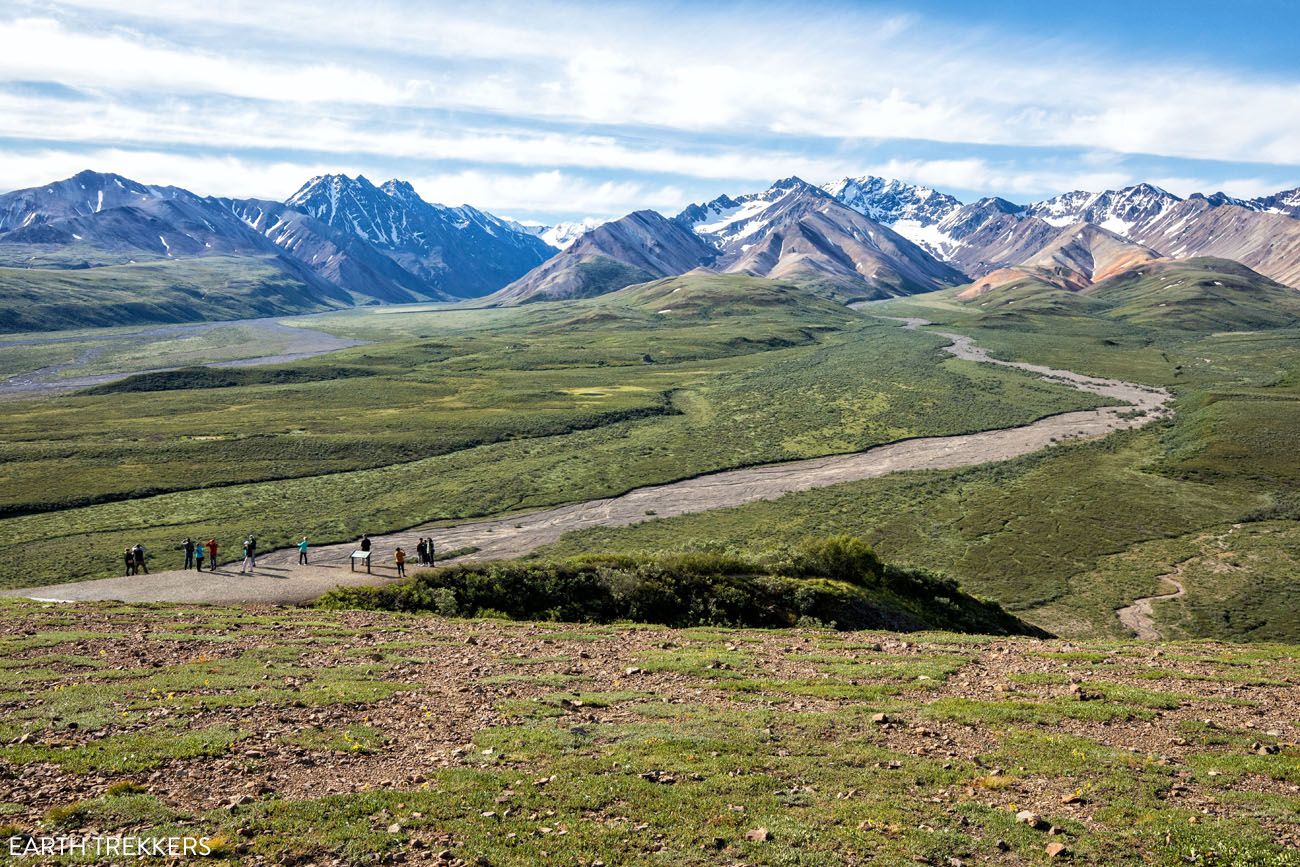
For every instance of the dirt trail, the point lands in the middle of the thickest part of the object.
(280, 579)
(1140, 617)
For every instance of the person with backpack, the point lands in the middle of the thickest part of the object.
(252, 547)
(399, 557)
(302, 552)
(138, 553)
(250, 561)
(198, 558)
(188, 547)
(212, 554)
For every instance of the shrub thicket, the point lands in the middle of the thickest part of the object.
(835, 581)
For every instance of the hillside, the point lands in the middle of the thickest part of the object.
(339, 256)
(1201, 294)
(641, 246)
(704, 294)
(165, 290)
(304, 736)
(1072, 261)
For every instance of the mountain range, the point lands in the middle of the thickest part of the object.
(792, 231)
(337, 242)
(340, 241)
(869, 237)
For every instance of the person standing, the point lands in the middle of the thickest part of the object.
(250, 562)
(302, 552)
(138, 553)
(428, 547)
(399, 557)
(421, 552)
(188, 547)
(212, 554)
(198, 557)
(129, 557)
(252, 548)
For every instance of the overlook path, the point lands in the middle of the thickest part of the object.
(278, 578)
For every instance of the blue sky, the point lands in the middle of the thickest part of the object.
(550, 111)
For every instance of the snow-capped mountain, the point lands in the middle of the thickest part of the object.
(911, 210)
(561, 235)
(335, 254)
(726, 221)
(642, 246)
(1286, 202)
(791, 231)
(988, 234)
(82, 195)
(1115, 210)
(460, 252)
(794, 230)
(94, 219)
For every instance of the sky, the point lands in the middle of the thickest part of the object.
(544, 111)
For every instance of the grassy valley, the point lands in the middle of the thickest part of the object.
(491, 412)
(1066, 536)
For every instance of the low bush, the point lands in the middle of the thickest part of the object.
(835, 582)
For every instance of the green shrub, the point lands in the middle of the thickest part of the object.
(836, 582)
(843, 557)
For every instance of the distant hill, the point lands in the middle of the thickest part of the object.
(705, 294)
(641, 246)
(155, 291)
(1076, 258)
(1201, 294)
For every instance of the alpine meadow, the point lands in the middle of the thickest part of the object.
(836, 434)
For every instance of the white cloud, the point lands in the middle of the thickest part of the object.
(620, 66)
(547, 192)
(206, 175)
(563, 91)
(42, 49)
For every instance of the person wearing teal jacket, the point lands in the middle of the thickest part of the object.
(302, 552)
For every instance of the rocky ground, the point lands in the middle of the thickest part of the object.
(301, 736)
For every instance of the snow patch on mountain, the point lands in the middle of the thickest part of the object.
(726, 220)
(561, 235)
(1115, 210)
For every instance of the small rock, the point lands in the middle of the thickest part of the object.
(1033, 820)
(1055, 850)
(1072, 798)
(758, 835)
